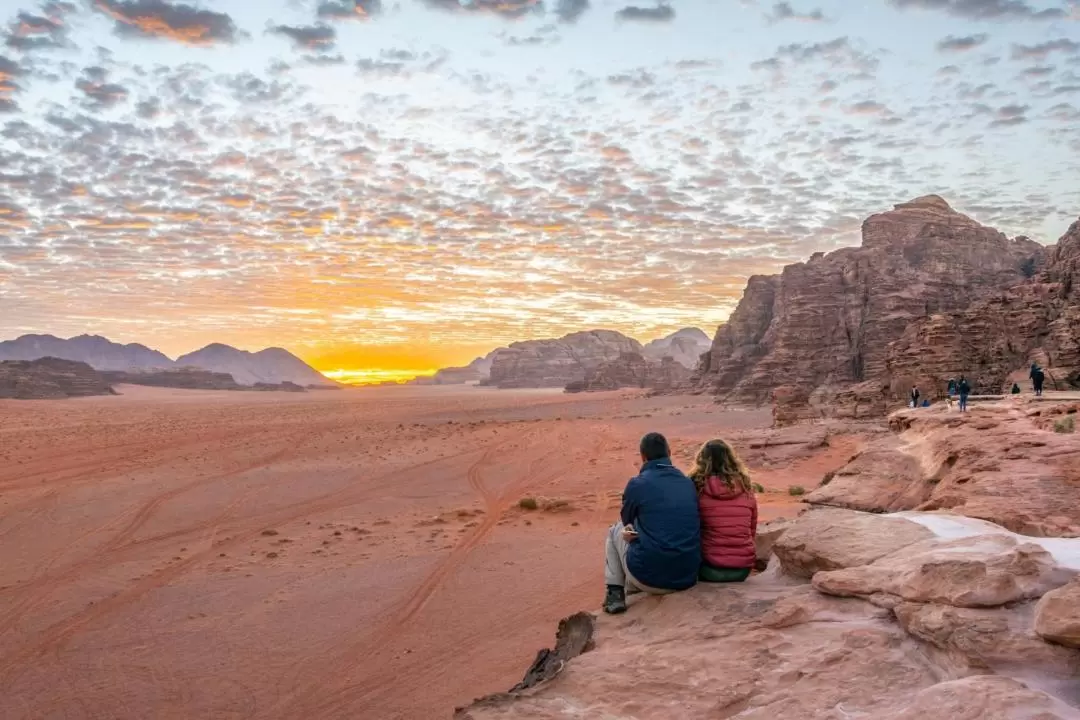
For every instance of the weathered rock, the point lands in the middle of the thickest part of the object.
(829, 539)
(984, 697)
(633, 370)
(556, 363)
(978, 571)
(767, 535)
(826, 324)
(1003, 463)
(995, 339)
(50, 378)
(685, 347)
(1057, 616)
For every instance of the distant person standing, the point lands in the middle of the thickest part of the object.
(1015, 389)
(1037, 379)
(914, 397)
(964, 389)
(952, 387)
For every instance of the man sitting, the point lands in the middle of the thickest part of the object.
(656, 547)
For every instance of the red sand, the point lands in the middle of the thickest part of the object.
(354, 554)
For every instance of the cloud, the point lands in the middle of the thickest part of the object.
(783, 11)
(509, 9)
(159, 19)
(29, 32)
(660, 13)
(1008, 115)
(984, 9)
(349, 9)
(962, 44)
(9, 71)
(1042, 50)
(839, 52)
(867, 107)
(310, 37)
(570, 10)
(99, 92)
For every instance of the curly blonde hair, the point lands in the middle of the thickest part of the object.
(717, 459)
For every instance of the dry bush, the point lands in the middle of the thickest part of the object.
(528, 503)
(796, 490)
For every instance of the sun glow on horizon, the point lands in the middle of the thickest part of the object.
(374, 376)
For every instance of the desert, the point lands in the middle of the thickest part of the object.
(183, 553)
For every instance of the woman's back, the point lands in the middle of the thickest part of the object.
(728, 524)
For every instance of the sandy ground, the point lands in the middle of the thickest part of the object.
(353, 554)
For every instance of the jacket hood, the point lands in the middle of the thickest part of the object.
(717, 488)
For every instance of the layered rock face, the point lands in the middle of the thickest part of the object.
(50, 378)
(633, 370)
(557, 363)
(823, 326)
(936, 628)
(685, 347)
(995, 339)
(1002, 462)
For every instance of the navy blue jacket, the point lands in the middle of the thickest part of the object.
(662, 505)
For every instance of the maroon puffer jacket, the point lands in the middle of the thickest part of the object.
(728, 525)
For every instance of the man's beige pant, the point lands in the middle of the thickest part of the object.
(615, 571)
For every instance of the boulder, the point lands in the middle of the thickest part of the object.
(828, 539)
(984, 697)
(767, 535)
(1057, 616)
(977, 571)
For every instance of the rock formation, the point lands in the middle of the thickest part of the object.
(97, 352)
(190, 378)
(633, 370)
(474, 373)
(556, 363)
(685, 346)
(1003, 463)
(824, 327)
(272, 365)
(939, 629)
(995, 339)
(50, 378)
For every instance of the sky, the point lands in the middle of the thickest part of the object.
(392, 186)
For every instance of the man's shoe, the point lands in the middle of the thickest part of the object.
(615, 600)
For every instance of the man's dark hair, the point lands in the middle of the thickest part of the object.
(654, 447)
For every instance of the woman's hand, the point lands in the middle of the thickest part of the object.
(629, 533)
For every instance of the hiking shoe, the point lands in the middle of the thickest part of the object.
(615, 600)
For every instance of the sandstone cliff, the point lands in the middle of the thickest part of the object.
(50, 378)
(823, 326)
(633, 370)
(684, 346)
(556, 363)
(995, 339)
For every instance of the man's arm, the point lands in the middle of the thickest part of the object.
(630, 502)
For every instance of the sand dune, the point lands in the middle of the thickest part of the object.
(360, 554)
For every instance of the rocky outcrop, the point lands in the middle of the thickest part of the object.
(97, 352)
(778, 647)
(685, 347)
(633, 370)
(1057, 616)
(272, 365)
(995, 340)
(474, 373)
(1002, 462)
(50, 378)
(556, 363)
(188, 378)
(823, 326)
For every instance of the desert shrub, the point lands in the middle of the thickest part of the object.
(758, 487)
(828, 478)
(528, 503)
(1065, 425)
(796, 490)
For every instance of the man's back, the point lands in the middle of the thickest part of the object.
(661, 503)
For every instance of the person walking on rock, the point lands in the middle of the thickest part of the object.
(1038, 377)
(655, 548)
(728, 511)
(964, 389)
(914, 397)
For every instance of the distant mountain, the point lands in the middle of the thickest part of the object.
(94, 350)
(475, 372)
(685, 346)
(272, 365)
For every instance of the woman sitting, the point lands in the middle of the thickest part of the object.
(728, 511)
